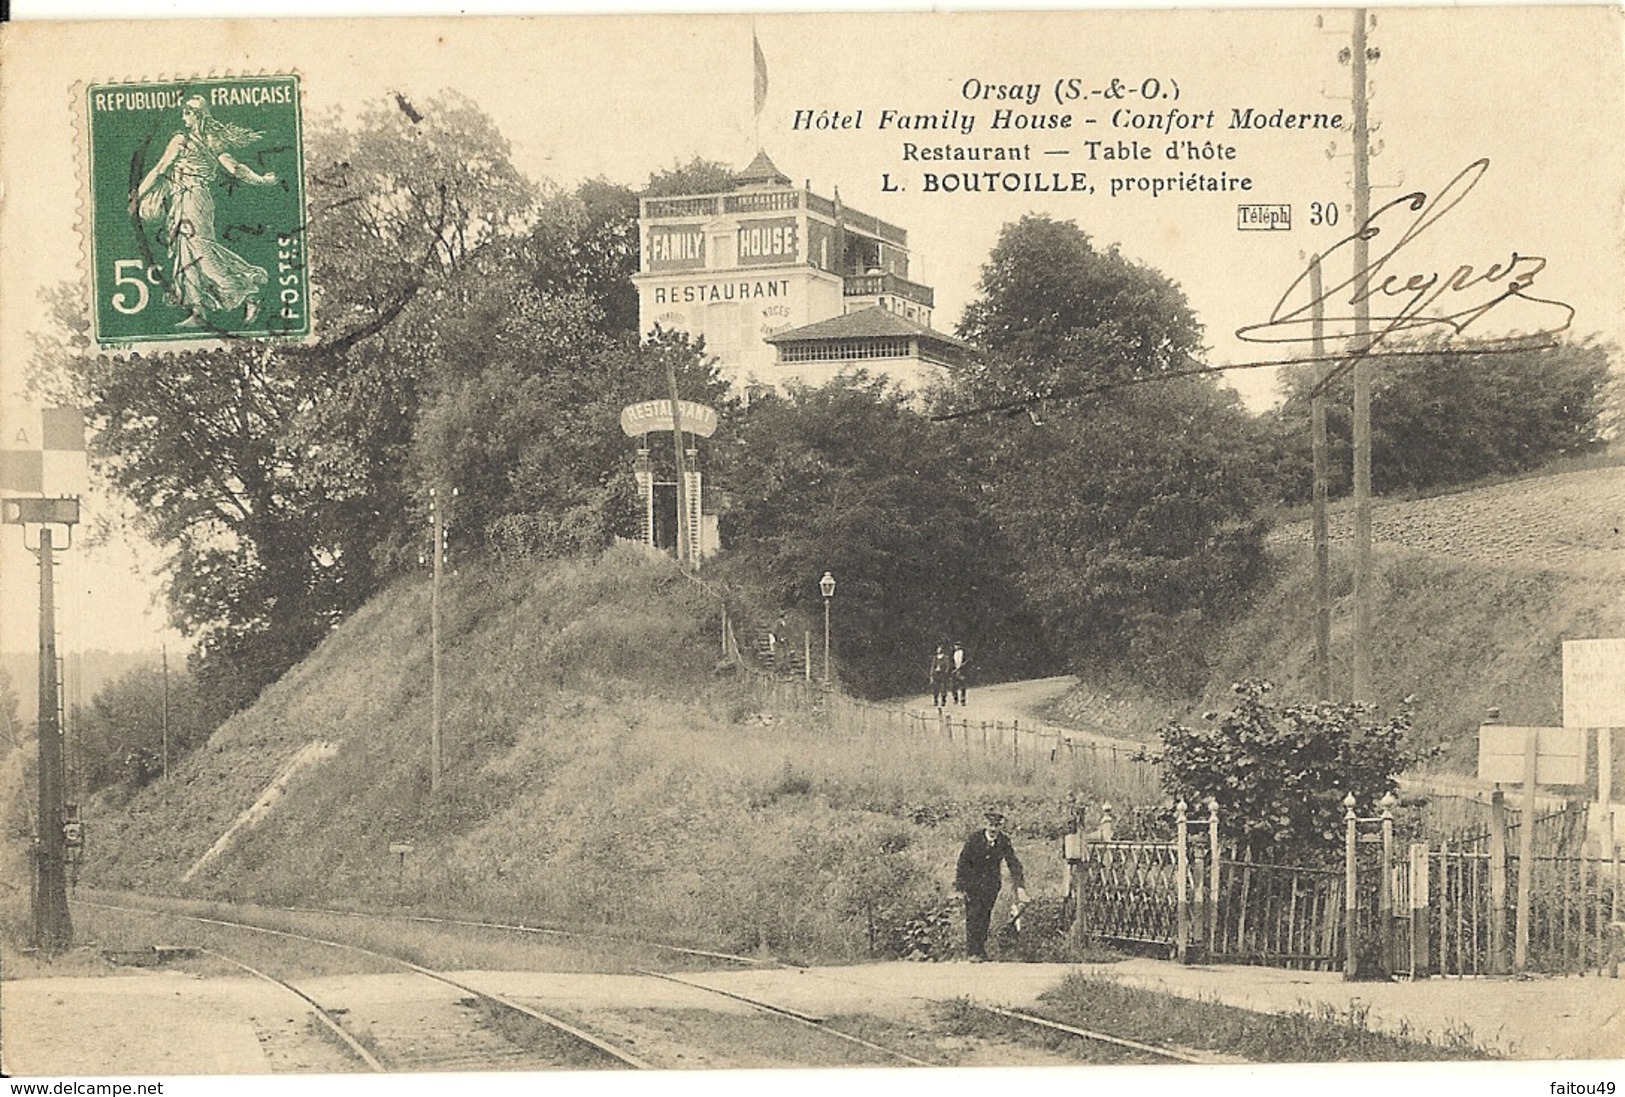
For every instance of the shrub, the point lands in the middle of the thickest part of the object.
(1279, 772)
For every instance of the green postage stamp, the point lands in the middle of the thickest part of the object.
(197, 212)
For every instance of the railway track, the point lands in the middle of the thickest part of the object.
(447, 1022)
(448, 1033)
(542, 931)
(455, 1032)
(1153, 1051)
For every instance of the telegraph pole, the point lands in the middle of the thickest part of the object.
(437, 511)
(1360, 349)
(53, 928)
(165, 649)
(1317, 434)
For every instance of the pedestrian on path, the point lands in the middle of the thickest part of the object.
(978, 877)
(940, 676)
(779, 643)
(957, 672)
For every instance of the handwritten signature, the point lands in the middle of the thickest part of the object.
(1403, 300)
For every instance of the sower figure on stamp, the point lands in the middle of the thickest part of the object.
(939, 677)
(978, 878)
(176, 202)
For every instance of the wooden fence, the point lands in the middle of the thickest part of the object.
(1009, 746)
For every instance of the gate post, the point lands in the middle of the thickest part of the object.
(1351, 900)
(1526, 855)
(1419, 908)
(1213, 876)
(1385, 896)
(1182, 932)
(1075, 857)
(1498, 883)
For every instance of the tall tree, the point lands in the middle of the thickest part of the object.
(1057, 314)
(529, 432)
(1136, 523)
(698, 176)
(586, 243)
(848, 478)
(1130, 495)
(272, 473)
(122, 732)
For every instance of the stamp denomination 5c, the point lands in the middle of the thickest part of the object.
(197, 211)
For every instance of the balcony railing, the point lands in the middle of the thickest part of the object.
(873, 285)
(761, 201)
(703, 206)
(709, 205)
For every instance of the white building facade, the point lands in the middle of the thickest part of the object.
(766, 259)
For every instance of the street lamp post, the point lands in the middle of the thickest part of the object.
(826, 586)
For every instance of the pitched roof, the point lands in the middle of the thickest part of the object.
(761, 170)
(870, 323)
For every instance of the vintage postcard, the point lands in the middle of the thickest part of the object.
(704, 542)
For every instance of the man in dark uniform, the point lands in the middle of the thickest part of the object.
(979, 879)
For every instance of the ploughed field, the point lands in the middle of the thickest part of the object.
(1573, 522)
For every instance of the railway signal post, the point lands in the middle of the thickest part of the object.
(53, 927)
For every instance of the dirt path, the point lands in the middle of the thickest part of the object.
(1007, 701)
(145, 1023)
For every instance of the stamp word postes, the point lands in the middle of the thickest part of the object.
(197, 211)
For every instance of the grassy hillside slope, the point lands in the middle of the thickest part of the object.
(1475, 593)
(597, 770)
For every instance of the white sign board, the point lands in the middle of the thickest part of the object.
(1594, 683)
(1560, 755)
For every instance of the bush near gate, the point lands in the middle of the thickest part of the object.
(1279, 772)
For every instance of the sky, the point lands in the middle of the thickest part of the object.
(1532, 97)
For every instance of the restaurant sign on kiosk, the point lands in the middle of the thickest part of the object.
(674, 515)
(655, 415)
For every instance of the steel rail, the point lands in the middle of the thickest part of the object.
(322, 1015)
(547, 931)
(598, 1043)
(810, 1020)
(1099, 1037)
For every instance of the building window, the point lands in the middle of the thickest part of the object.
(843, 350)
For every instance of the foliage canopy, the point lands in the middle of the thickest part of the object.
(848, 478)
(1056, 314)
(1452, 415)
